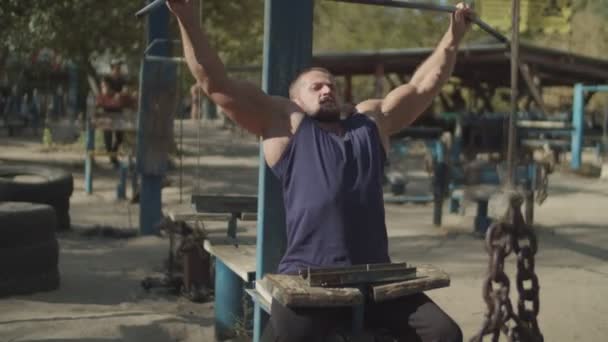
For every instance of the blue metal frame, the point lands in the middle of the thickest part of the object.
(90, 148)
(287, 50)
(578, 121)
(228, 301)
(150, 194)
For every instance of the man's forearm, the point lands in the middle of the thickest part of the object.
(203, 61)
(436, 69)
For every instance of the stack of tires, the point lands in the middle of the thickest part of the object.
(31, 212)
(52, 187)
(29, 251)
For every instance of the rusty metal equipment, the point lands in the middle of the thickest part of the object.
(511, 234)
(358, 275)
(428, 7)
(188, 264)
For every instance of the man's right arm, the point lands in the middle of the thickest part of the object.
(243, 102)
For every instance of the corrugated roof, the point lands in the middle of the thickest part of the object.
(476, 63)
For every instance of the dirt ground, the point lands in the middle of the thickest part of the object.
(101, 300)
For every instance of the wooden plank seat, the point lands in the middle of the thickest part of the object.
(235, 206)
(194, 217)
(481, 192)
(240, 259)
(117, 121)
(293, 290)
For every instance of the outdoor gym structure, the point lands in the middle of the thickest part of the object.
(288, 49)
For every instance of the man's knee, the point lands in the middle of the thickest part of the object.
(309, 325)
(448, 331)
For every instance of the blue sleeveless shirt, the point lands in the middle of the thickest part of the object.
(332, 191)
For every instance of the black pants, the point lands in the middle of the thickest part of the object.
(411, 318)
(111, 143)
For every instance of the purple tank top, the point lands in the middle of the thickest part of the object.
(332, 190)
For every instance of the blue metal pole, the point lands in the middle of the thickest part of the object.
(440, 181)
(150, 193)
(228, 301)
(597, 88)
(578, 109)
(287, 50)
(90, 146)
(121, 189)
(210, 109)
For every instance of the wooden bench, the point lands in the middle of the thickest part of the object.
(235, 259)
(230, 207)
(294, 291)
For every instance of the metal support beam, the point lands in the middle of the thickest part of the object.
(425, 6)
(578, 110)
(534, 90)
(511, 150)
(228, 301)
(287, 50)
(348, 88)
(150, 193)
(90, 145)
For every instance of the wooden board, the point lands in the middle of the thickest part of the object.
(428, 277)
(191, 217)
(481, 192)
(262, 298)
(121, 121)
(543, 124)
(291, 290)
(240, 259)
(225, 203)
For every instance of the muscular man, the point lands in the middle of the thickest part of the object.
(331, 173)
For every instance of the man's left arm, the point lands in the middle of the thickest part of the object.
(405, 103)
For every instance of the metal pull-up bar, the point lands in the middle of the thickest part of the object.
(429, 7)
(389, 3)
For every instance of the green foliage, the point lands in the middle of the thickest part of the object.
(75, 29)
(236, 29)
(344, 27)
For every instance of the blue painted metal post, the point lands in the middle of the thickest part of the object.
(287, 50)
(228, 301)
(578, 109)
(90, 146)
(121, 188)
(482, 221)
(150, 193)
(210, 109)
(440, 181)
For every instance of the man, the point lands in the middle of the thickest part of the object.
(115, 85)
(331, 173)
(115, 79)
(109, 102)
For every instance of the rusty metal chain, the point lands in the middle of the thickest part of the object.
(511, 234)
(542, 182)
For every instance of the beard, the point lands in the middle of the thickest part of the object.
(328, 112)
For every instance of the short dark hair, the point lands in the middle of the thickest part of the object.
(299, 76)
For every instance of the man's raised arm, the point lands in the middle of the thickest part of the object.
(244, 103)
(405, 103)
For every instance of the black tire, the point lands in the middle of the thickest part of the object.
(27, 284)
(30, 259)
(24, 223)
(54, 191)
(62, 211)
